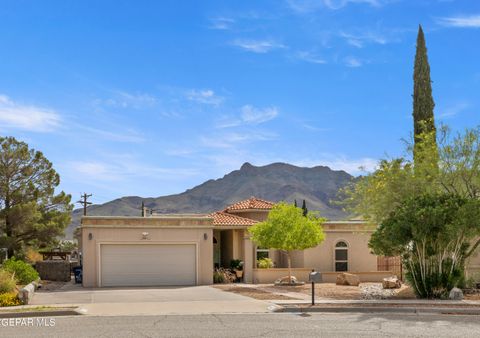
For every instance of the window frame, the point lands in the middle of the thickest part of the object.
(261, 250)
(341, 248)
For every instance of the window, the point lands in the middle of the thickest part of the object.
(262, 253)
(341, 256)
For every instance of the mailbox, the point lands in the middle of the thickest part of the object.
(315, 277)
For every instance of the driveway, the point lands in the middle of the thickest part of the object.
(151, 301)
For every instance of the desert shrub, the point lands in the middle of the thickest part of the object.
(218, 277)
(265, 263)
(32, 256)
(7, 282)
(9, 299)
(222, 275)
(23, 272)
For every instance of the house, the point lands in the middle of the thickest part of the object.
(184, 249)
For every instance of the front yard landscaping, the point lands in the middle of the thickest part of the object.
(325, 291)
(14, 274)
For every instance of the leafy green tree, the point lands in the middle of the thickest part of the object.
(434, 234)
(287, 229)
(423, 104)
(376, 195)
(30, 211)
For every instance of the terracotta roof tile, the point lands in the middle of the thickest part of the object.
(222, 218)
(251, 203)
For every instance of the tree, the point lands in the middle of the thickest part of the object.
(376, 195)
(287, 229)
(434, 234)
(30, 211)
(423, 104)
(304, 208)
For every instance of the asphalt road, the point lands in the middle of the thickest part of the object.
(264, 325)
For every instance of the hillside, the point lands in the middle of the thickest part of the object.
(274, 182)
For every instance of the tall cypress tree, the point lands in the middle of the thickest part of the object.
(304, 208)
(423, 104)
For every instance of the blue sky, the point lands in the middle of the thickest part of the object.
(153, 97)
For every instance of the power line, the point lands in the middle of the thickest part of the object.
(84, 202)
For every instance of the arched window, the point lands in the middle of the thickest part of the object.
(341, 256)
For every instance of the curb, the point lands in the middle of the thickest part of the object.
(381, 309)
(52, 313)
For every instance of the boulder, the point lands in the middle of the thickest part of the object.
(391, 283)
(456, 294)
(347, 279)
(285, 281)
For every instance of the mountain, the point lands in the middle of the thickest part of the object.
(274, 182)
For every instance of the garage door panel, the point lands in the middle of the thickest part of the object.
(148, 264)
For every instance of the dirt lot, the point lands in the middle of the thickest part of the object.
(252, 292)
(322, 291)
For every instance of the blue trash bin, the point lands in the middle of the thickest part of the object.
(77, 271)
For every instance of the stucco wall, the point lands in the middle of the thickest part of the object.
(359, 257)
(157, 233)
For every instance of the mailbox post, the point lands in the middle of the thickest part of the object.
(314, 277)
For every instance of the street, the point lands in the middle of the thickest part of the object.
(255, 325)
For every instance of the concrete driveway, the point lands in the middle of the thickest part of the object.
(152, 301)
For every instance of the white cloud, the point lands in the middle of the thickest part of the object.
(467, 21)
(248, 115)
(205, 96)
(221, 23)
(123, 135)
(352, 166)
(352, 62)
(234, 139)
(359, 40)
(122, 99)
(122, 168)
(257, 46)
(251, 114)
(309, 57)
(454, 110)
(307, 6)
(26, 117)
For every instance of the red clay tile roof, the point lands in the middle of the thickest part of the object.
(251, 203)
(222, 218)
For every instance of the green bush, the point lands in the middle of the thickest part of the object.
(7, 282)
(23, 272)
(236, 264)
(9, 299)
(265, 263)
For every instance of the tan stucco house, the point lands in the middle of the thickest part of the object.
(184, 249)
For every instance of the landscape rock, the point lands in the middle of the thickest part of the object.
(347, 279)
(376, 291)
(285, 281)
(456, 294)
(25, 294)
(391, 283)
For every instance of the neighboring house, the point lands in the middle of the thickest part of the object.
(184, 249)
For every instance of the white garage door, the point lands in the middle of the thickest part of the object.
(147, 264)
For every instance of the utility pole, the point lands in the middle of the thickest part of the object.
(84, 202)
